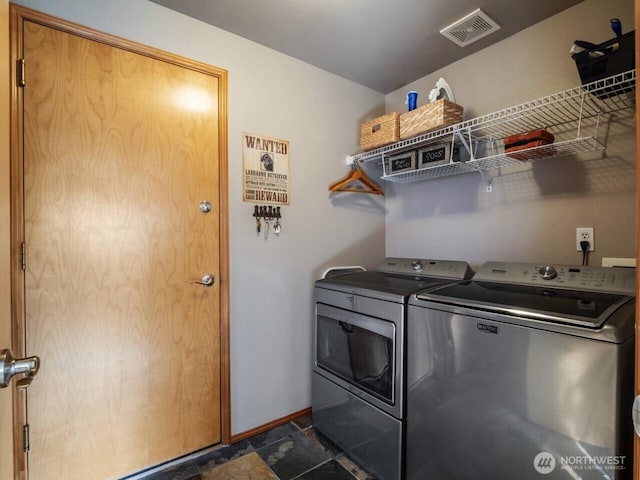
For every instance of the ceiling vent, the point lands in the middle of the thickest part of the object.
(470, 28)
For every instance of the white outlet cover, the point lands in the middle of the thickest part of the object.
(588, 231)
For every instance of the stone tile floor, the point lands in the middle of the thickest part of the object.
(291, 451)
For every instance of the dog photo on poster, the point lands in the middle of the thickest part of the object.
(265, 170)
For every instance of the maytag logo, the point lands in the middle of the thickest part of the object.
(487, 328)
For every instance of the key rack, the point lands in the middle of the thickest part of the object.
(479, 136)
(267, 213)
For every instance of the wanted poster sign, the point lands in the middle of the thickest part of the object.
(265, 170)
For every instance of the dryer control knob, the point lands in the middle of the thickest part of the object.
(548, 272)
(416, 265)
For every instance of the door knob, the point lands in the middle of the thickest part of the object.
(10, 366)
(205, 207)
(636, 415)
(207, 280)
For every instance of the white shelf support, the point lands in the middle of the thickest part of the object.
(468, 146)
(579, 134)
(597, 126)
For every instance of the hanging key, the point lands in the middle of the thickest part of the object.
(267, 224)
(256, 214)
(277, 227)
(268, 216)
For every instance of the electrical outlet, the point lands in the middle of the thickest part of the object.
(585, 234)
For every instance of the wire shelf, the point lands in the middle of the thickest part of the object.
(554, 150)
(605, 96)
(594, 99)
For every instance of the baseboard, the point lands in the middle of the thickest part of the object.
(234, 439)
(268, 426)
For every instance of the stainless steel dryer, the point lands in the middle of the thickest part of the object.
(359, 356)
(524, 373)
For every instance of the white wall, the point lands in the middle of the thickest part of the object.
(533, 211)
(271, 280)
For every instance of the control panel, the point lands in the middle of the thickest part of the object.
(420, 267)
(575, 277)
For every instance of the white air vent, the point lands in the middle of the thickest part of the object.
(470, 28)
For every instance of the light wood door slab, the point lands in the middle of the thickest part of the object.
(119, 150)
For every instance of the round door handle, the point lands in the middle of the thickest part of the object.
(10, 366)
(207, 280)
(636, 415)
(205, 206)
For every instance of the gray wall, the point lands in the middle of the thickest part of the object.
(534, 209)
(271, 280)
(531, 214)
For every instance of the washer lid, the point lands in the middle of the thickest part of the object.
(399, 276)
(571, 307)
(361, 282)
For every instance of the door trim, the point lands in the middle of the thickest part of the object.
(636, 439)
(18, 15)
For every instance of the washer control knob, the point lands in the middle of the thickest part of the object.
(416, 265)
(548, 272)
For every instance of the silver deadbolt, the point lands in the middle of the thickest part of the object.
(205, 207)
(207, 280)
(10, 366)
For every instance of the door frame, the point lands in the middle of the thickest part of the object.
(636, 439)
(18, 15)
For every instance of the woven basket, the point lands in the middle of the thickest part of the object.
(431, 116)
(380, 131)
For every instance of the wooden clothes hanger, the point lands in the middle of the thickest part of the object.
(346, 184)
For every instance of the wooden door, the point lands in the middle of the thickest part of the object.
(6, 454)
(119, 151)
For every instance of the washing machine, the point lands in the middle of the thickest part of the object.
(525, 372)
(358, 379)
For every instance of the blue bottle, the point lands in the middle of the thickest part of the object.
(412, 100)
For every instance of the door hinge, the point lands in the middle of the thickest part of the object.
(23, 260)
(21, 71)
(25, 438)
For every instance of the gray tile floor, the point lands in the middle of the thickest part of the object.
(291, 451)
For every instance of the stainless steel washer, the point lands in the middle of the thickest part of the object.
(525, 372)
(358, 383)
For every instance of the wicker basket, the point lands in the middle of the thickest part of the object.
(380, 131)
(431, 116)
